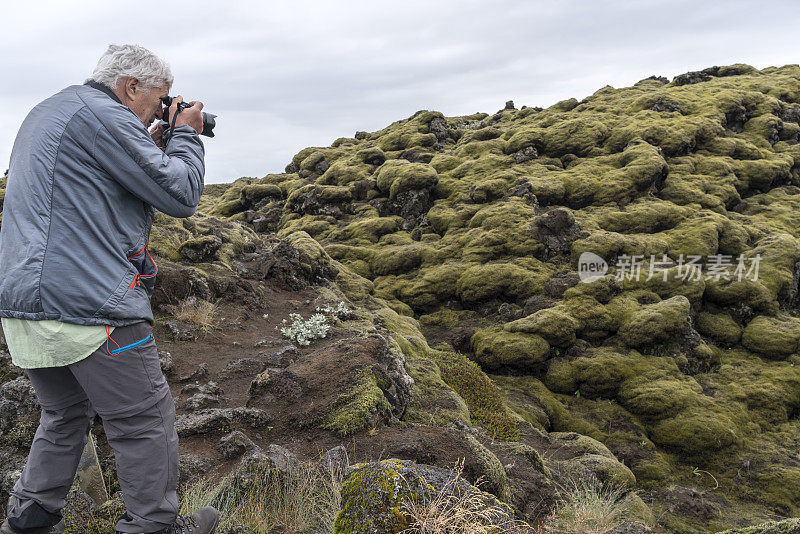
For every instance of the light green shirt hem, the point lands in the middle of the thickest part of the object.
(37, 344)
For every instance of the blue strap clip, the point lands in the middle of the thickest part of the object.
(132, 345)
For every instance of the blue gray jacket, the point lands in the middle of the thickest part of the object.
(83, 182)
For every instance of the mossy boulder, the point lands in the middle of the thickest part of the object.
(719, 326)
(607, 469)
(494, 477)
(396, 176)
(659, 394)
(773, 337)
(375, 496)
(554, 325)
(252, 195)
(434, 401)
(655, 323)
(696, 434)
(600, 372)
(496, 348)
(587, 457)
(82, 515)
(480, 283)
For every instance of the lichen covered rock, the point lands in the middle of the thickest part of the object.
(374, 496)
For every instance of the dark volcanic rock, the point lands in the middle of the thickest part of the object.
(412, 206)
(693, 504)
(181, 331)
(393, 379)
(201, 249)
(235, 444)
(198, 374)
(335, 461)
(696, 76)
(536, 303)
(557, 285)
(167, 364)
(290, 268)
(192, 468)
(438, 127)
(198, 401)
(254, 464)
(202, 422)
(209, 388)
(415, 155)
(244, 367)
(212, 419)
(557, 229)
(281, 358)
(175, 283)
(277, 384)
(666, 105)
(526, 154)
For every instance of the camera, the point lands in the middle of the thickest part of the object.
(208, 118)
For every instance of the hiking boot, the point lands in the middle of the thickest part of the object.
(29, 509)
(5, 528)
(203, 521)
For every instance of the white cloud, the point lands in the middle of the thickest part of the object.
(283, 76)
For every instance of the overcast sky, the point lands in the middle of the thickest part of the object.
(286, 75)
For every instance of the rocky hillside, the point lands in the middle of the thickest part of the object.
(458, 244)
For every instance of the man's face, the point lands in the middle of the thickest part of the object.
(147, 104)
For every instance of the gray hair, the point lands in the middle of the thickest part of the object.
(131, 61)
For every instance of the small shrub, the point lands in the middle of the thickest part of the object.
(194, 311)
(303, 331)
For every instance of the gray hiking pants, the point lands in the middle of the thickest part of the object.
(131, 395)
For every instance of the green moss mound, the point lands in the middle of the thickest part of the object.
(485, 404)
(354, 411)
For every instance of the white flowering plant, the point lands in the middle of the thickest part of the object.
(303, 331)
(340, 311)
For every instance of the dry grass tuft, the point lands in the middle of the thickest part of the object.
(299, 502)
(194, 311)
(588, 508)
(449, 511)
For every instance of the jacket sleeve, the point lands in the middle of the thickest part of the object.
(170, 181)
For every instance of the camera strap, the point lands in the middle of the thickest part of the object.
(175, 116)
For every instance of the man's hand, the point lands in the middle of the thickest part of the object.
(193, 116)
(157, 133)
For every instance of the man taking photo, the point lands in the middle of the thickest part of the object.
(76, 279)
